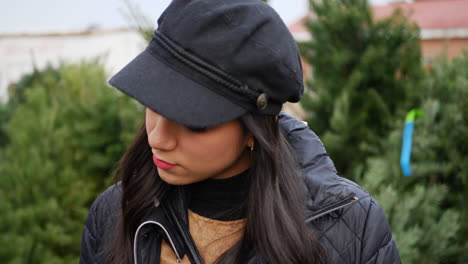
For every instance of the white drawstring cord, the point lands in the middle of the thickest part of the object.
(165, 231)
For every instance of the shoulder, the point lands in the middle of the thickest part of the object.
(350, 232)
(101, 220)
(105, 208)
(325, 187)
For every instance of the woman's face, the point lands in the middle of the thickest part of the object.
(184, 156)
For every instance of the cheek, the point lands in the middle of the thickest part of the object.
(148, 129)
(225, 151)
(218, 152)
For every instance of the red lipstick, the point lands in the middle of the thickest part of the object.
(162, 164)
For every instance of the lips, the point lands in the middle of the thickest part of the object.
(162, 164)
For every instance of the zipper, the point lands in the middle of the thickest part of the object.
(333, 207)
(165, 231)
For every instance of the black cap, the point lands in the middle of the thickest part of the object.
(210, 62)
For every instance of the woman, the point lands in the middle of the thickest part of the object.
(217, 174)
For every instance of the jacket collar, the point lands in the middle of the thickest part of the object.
(160, 220)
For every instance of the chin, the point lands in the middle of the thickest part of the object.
(175, 179)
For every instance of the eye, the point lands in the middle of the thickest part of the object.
(197, 129)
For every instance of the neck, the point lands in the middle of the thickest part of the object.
(220, 199)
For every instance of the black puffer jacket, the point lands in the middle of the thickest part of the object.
(351, 226)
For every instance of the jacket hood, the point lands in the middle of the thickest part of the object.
(324, 186)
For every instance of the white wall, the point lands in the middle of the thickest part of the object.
(18, 52)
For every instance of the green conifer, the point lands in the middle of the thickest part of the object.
(64, 139)
(363, 74)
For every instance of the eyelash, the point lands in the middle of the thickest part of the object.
(198, 129)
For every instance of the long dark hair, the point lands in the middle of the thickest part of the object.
(275, 227)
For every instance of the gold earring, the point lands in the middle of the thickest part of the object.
(252, 146)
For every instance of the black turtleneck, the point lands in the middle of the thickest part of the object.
(220, 199)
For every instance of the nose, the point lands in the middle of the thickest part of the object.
(162, 134)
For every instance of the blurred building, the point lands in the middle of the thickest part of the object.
(443, 24)
(21, 53)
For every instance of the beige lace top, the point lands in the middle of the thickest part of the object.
(212, 238)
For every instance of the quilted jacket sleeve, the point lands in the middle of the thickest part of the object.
(357, 233)
(99, 225)
(378, 246)
(91, 238)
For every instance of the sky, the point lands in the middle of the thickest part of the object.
(26, 16)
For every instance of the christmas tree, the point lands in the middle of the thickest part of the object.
(363, 74)
(65, 134)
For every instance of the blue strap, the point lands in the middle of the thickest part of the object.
(406, 148)
(405, 157)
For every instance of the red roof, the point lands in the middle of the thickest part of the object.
(299, 25)
(435, 14)
(428, 14)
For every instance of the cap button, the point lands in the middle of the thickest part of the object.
(262, 101)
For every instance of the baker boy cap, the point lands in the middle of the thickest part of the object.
(209, 62)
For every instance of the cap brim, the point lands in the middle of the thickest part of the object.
(172, 94)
